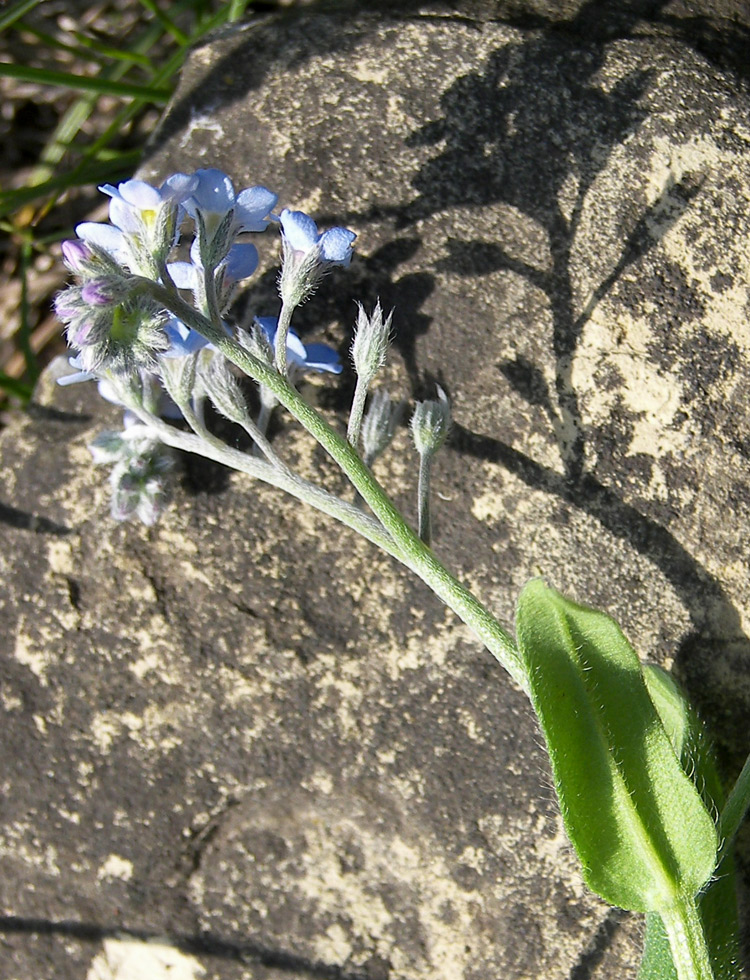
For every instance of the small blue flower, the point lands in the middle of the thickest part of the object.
(135, 201)
(301, 234)
(310, 357)
(240, 263)
(214, 198)
(79, 373)
(183, 340)
(134, 209)
(108, 238)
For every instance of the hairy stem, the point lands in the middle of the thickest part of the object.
(423, 498)
(282, 331)
(410, 549)
(687, 942)
(735, 809)
(309, 493)
(357, 412)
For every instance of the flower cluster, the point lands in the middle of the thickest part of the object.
(148, 319)
(183, 242)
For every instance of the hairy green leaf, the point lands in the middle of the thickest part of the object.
(643, 835)
(717, 903)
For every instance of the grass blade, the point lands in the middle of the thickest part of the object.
(102, 86)
(106, 52)
(96, 173)
(12, 386)
(16, 12)
(169, 26)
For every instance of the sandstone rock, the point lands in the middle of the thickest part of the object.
(248, 732)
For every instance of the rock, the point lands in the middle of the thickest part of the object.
(245, 731)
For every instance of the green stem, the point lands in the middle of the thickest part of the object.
(412, 551)
(264, 415)
(735, 809)
(210, 447)
(357, 411)
(282, 331)
(423, 497)
(687, 942)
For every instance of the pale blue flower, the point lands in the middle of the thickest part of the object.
(310, 357)
(79, 374)
(135, 201)
(301, 234)
(214, 197)
(134, 210)
(240, 263)
(106, 237)
(183, 340)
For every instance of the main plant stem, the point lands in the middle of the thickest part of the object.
(409, 548)
(735, 808)
(687, 942)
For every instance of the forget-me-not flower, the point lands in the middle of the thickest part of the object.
(309, 357)
(301, 234)
(240, 263)
(307, 254)
(214, 197)
(144, 221)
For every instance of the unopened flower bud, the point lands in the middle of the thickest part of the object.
(68, 304)
(300, 274)
(370, 345)
(178, 376)
(224, 390)
(379, 425)
(101, 292)
(431, 423)
(139, 478)
(76, 255)
(255, 341)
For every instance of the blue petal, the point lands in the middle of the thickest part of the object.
(321, 357)
(106, 237)
(182, 340)
(179, 186)
(299, 230)
(269, 325)
(336, 246)
(78, 376)
(184, 274)
(241, 262)
(140, 195)
(253, 207)
(215, 193)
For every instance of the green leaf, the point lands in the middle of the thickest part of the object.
(101, 86)
(717, 903)
(12, 14)
(643, 835)
(12, 386)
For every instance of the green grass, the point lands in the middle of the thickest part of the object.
(137, 74)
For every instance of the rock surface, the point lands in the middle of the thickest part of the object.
(246, 731)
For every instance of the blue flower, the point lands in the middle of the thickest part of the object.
(183, 340)
(240, 263)
(301, 234)
(214, 198)
(135, 202)
(107, 238)
(310, 357)
(137, 209)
